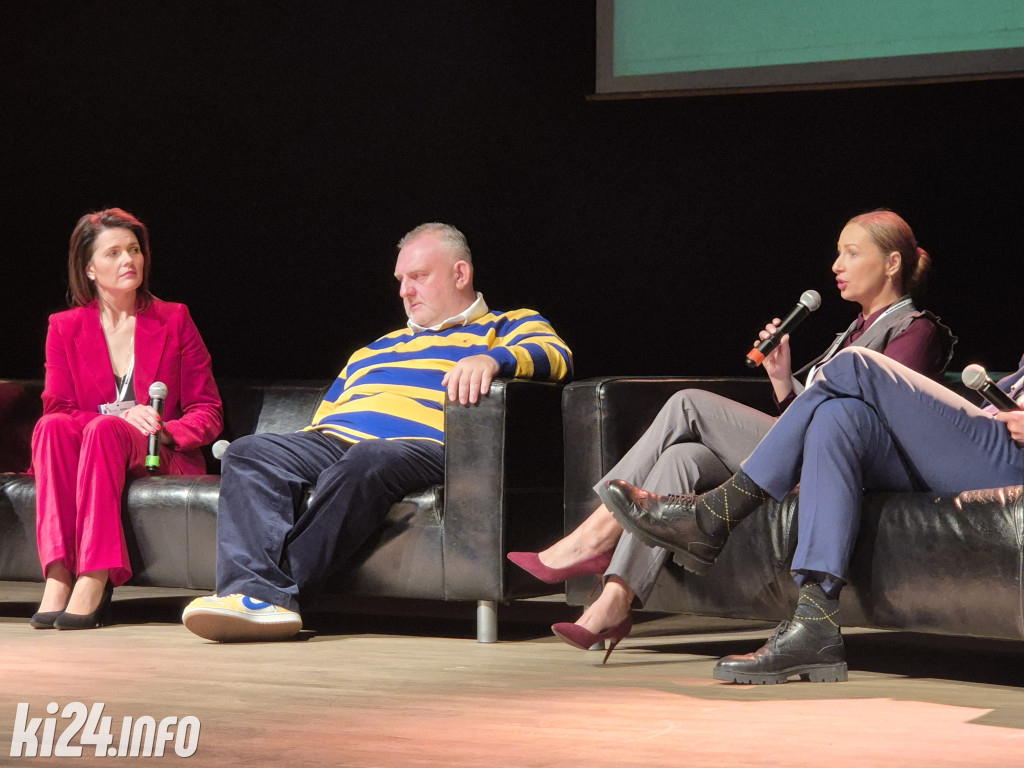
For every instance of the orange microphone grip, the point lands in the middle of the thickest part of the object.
(754, 357)
(809, 301)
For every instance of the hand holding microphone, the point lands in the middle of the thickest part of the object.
(809, 301)
(976, 377)
(157, 395)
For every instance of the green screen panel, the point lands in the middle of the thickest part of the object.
(681, 45)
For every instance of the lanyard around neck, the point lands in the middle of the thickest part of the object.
(126, 381)
(898, 305)
(842, 337)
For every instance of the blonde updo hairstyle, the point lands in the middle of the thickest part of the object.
(889, 232)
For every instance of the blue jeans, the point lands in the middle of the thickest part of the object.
(873, 424)
(271, 549)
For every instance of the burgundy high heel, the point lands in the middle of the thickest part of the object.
(582, 638)
(530, 562)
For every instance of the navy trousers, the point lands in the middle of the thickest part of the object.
(872, 424)
(266, 548)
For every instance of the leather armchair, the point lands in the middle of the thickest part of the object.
(502, 491)
(923, 562)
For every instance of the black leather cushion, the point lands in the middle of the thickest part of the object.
(403, 558)
(19, 558)
(171, 530)
(949, 564)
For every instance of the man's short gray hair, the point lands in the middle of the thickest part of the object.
(452, 238)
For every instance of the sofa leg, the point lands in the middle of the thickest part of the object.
(486, 621)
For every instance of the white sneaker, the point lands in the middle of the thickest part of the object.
(239, 618)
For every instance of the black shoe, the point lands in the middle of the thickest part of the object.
(88, 620)
(41, 620)
(810, 645)
(664, 521)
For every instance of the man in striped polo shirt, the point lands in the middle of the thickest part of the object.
(377, 435)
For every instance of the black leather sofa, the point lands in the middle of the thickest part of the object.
(502, 491)
(923, 562)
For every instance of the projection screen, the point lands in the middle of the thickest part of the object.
(669, 47)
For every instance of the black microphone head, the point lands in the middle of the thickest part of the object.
(811, 300)
(974, 377)
(157, 390)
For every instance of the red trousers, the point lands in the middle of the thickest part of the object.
(80, 476)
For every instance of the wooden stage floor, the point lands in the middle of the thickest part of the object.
(412, 691)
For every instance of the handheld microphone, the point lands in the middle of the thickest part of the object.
(975, 377)
(809, 301)
(219, 448)
(157, 395)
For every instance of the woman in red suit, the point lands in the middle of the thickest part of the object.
(102, 355)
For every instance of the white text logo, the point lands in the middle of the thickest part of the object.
(34, 737)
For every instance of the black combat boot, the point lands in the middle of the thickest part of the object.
(693, 527)
(810, 646)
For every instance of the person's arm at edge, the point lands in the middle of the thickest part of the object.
(526, 347)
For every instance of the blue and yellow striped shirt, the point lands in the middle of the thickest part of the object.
(392, 389)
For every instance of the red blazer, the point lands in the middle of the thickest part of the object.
(168, 348)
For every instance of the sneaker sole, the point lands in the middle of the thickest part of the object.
(230, 627)
(814, 673)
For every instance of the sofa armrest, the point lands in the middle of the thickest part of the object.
(503, 487)
(603, 417)
(21, 406)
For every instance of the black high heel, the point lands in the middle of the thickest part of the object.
(44, 619)
(88, 620)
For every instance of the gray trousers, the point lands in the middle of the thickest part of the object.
(697, 441)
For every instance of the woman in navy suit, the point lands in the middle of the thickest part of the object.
(102, 355)
(866, 424)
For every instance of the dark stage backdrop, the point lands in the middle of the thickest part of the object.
(279, 150)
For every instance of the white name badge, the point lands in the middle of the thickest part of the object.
(116, 409)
